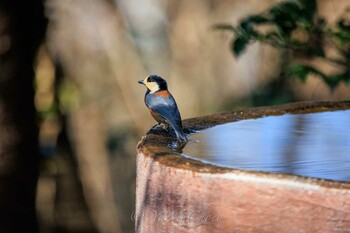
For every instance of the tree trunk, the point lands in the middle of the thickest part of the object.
(21, 27)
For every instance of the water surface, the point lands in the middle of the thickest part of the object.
(314, 144)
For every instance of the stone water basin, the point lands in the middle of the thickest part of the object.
(273, 169)
(313, 144)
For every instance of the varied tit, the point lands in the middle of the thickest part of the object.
(162, 105)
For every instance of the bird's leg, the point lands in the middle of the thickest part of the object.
(158, 125)
(165, 126)
(155, 126)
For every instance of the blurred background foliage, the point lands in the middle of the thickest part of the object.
(296, 28)
(91, 110)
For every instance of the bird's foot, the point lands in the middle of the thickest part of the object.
(159, 128)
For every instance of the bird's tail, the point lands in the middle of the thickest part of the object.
(181, 136)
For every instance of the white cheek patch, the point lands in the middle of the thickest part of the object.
(152, 86)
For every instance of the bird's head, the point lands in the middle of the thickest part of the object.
(154, 83)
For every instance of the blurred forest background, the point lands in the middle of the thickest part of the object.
(72, 112)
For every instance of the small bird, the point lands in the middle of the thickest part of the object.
(162, 105)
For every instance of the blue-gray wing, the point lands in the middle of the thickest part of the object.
(167, 109)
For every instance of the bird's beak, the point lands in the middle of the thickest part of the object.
(141, 82)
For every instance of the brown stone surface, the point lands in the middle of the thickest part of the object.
(178, 194)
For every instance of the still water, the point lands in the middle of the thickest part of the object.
(313, 145)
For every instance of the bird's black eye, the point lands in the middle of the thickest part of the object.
(148, 79)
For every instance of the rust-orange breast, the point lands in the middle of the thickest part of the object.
(164, 93)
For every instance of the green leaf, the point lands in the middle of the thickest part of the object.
(239, 45)
(346, 76)
(287, 10)
(285, 7)
(289, 14)
(309, 9)
(224, 27)
(257, 19)
(344, 25)
(333, 80)
(302, 72)
(299, 71)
